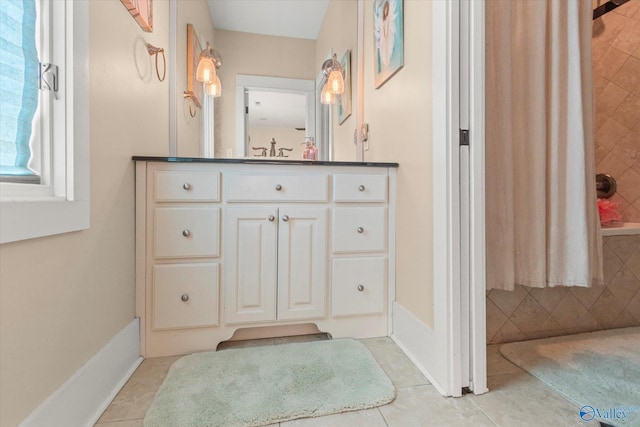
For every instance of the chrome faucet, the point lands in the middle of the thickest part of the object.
(263, 153)
(281, 151)
(272, 152)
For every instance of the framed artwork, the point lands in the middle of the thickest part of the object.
(142, 12)
(388, 33)
(194, 87)
(344, 100)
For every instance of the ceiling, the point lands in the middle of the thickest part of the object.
(277, 109)
(286, 18)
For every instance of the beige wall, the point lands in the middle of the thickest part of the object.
(195, 12)
(399, 117)
(339, 33)
(252, 54)
(62, 298)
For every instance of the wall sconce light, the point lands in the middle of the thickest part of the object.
(334, 85)
(208, 64)
(215, 88)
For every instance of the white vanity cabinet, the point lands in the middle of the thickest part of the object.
(276, 263)
(229, 245)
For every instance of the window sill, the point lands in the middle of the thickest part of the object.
(21, 220)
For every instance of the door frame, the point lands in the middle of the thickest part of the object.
(437, 349)
(477, 225)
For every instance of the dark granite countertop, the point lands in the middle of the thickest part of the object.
(262, 162)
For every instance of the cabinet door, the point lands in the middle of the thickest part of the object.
(250, 271)
(302, 263)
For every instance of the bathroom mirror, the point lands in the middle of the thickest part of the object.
(255, 46)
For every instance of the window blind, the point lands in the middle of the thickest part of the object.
(18, 84)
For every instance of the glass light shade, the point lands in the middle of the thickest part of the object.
(336, 82)
(214, 89)
(206, 71)
(327, 96)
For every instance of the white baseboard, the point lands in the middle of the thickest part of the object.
(415, 340)
(81, 400)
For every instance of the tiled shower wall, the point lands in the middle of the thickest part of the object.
(616, 66)
(529, 313)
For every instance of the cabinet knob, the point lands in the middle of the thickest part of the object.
(271, 218)
(278, 187)
(186, 233)
(185, 297)
(186, 186)
(360, 288)
(361, 187)
(285, 218)
(360, 230)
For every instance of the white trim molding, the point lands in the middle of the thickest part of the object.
(83, 398)
(421, 345)
(24, 216)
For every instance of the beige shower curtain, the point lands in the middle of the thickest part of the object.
(542, 220)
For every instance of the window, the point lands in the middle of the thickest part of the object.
(18, 89)
(44, 149)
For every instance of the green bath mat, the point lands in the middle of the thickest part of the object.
(598, 371)
(263, 385)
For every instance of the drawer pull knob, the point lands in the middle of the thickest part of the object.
(285, 218)
(361, 187)
(271, 218)
(186, 186)
(278, 187)
(185, 297)
(186, 233)
(360, 288)
(360, 230)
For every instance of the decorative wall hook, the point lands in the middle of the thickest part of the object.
(156, 51)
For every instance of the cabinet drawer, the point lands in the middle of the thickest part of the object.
(173, 186)
(358, 286)
(187, 232)
(359, 229)
(185, 295)
(280, 188)
(360, 188)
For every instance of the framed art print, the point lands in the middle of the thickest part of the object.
(344, 100)
(388, 33)
(194, 48)
(142, 12)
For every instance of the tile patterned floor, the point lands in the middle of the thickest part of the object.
(516, 398)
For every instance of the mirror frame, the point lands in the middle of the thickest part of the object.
(358, 106)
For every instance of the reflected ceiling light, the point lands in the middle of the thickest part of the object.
(213, 89)
(208, 62)
(327, 96)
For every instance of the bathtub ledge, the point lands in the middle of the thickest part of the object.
(621, 229)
